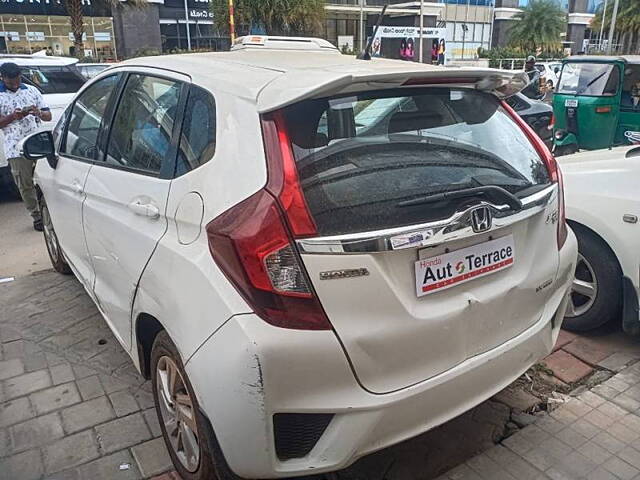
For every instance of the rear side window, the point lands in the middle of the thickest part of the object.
(362, 159)
(50, 79)
(86, 117)
(198, 138)
(142, 129)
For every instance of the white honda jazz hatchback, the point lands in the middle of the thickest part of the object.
(311, 256)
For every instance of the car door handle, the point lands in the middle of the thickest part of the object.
(144, 209)
(77, 186)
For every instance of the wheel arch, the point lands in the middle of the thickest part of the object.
(147, 329)
(576, 225)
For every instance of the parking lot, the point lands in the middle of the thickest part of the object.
(73, 407)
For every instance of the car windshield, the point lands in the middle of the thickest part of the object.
(594, 79)
(372, 160)
(54, 79)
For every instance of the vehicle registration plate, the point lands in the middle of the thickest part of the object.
(453, 268)
(571, 102)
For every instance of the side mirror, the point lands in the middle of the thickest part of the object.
(40, 145)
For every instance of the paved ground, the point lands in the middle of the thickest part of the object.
(22, 249)
(72, 406)
(595, 436)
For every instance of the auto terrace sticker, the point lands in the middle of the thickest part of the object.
(449, 269)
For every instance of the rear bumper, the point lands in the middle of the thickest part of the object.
(248, 371)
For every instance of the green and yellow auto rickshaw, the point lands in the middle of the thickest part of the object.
(597, 103)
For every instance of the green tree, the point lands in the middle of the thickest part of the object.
(538, 26)
(627, 24)
(76, 17)
(277, 17)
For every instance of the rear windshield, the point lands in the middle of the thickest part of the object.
(50, 79)
(361, 158)
(595, 79)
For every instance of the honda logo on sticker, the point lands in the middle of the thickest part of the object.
(481, 219)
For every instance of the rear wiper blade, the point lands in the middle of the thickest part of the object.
(491, 191)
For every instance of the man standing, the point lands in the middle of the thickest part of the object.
(21, 110)
(533, 89)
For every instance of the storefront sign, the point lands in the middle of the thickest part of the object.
(13, 36)
(200, 14)
(102, 36)
(406, 32)
(51, 7)
(35, 36)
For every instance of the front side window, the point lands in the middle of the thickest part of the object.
(141, 133)
(86, 117)
(198, 138)
(367, 162)
(594, 79)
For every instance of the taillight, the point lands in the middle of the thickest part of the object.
(253, 243)
(552, 166)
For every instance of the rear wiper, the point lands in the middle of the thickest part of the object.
(490, 191)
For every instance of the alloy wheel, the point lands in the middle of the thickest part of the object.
(583, 290)
(178, 413)
(50, 236)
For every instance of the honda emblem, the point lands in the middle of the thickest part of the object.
(481, 219)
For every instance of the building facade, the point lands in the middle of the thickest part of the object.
(29, 26)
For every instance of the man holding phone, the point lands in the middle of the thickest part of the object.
(22, 108)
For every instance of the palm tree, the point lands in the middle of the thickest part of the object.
(538, 26)
(76, 17)
(627, 25)
(276, 17)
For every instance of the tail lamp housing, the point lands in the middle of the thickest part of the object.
(552, 166)
(253, 242)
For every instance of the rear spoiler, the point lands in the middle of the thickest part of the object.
(293, 87)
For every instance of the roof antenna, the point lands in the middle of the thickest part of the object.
(366, 55)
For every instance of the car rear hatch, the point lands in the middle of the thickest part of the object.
(421, 224)
(414, 275)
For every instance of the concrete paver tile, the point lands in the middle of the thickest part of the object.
(108, 468)
(487, 468)
(151, 417)
(26, 384)
(70, 451)
(585, 428)
(618, 361)
(90, 387)
(591, 351)
(549, 424)
(629, 403)
(534, 434)
(591, 399)
(605, 392)
(601, 474)
(620, 468)
(566, 367)
(36, 432)
(612, 410)
(571, 437)
(607, 441)
(512, 463)
(152, 457)
(15, 411)
(55, 398)
(461, 472)
(595, 452)
(124, 403)
(564, 337)
(87, 414)
(23, 466)
(620, 431)
(630, 455)
(617, 384)
(576, 464)
(61, 373)
(599, 419)
(111, 384)
(11, 368)
(122, 432)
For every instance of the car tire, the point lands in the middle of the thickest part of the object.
(596, 294)
(51, 241)
(178, 424)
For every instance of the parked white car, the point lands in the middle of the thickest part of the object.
(550, 71)
(300, 289)
(603, 207)
(90, 70)
(57, 79)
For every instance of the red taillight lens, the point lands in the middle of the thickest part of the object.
(552, 167)
(252, 242)
(251, 245)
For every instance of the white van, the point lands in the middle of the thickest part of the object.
(58, 80)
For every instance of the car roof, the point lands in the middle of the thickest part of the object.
(37, 60)
(276, 78)
(604, 58)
